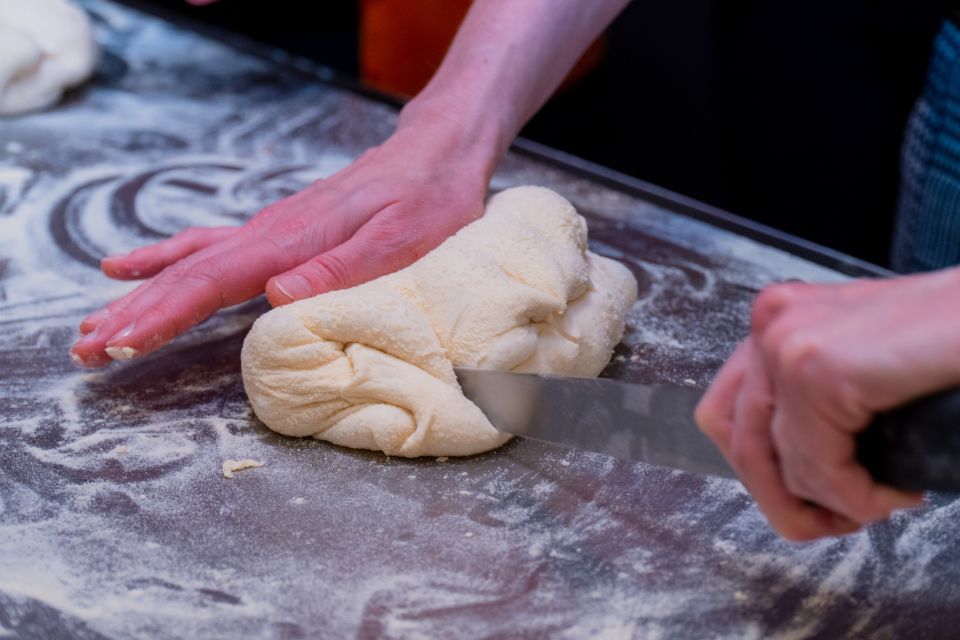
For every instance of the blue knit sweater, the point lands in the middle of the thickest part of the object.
(927, 234)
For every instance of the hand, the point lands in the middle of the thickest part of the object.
(820, 362)
(390, 207)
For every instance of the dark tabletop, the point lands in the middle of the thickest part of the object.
(115, 520)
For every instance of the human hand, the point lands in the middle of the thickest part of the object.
(390, 207)
(820, 362)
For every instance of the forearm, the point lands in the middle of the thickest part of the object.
(506, 60)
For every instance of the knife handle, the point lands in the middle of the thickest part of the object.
(915, 447)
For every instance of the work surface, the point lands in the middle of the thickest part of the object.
(115, 520)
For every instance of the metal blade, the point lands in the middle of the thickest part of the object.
(646, 423)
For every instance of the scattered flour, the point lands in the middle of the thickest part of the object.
(110, 526)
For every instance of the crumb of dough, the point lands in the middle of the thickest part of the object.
(121, 450)
(229, 466)
(442, 459)
(122, 353)
(690, 382)
(468, 534)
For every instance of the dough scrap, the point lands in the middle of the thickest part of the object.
(46, 47)
(372, 367)
(229, 466)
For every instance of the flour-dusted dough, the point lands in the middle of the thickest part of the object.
(46, 46)
(372, 367)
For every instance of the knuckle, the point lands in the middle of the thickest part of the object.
(771, 302)
(201, 279)
(391, 227)
(290, 226)
(264, 217)
(399, 239)
(799, 353)
(197, 274)
(328, 271)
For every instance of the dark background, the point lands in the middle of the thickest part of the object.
(788, 113)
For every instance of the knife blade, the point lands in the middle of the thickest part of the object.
(913, 447)
(644, 423)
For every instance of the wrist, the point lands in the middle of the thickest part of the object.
(452, 129)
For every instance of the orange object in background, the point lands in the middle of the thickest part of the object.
(402, 43)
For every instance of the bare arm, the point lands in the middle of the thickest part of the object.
(509, 57)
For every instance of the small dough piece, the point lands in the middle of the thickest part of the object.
(229, 466)
(46, 47)
(122, 353)
(372, 367)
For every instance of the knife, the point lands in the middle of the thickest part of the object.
(915, 447)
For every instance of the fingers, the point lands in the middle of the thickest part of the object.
(817, 415)
(93, 321)
(127, 331)
(179, 297)
(379, 247)
(735, 413)
(202, 270)
(771, 302)
(715, 412)
(818, 464)
(146, 262)
(756, 458)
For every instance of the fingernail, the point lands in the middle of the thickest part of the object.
(93, 321)
(88, 333)
(123, 333)
(93, 360)
(87, 338)
(122, 352)
(294, 287)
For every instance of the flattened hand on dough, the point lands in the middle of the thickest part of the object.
(372, 367)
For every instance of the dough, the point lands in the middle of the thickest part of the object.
(372, 367)
(46, 46)
(229, 466)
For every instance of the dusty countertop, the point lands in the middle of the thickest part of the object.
(115, 519)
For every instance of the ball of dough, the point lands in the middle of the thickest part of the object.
(372, 367)
(46, 47)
